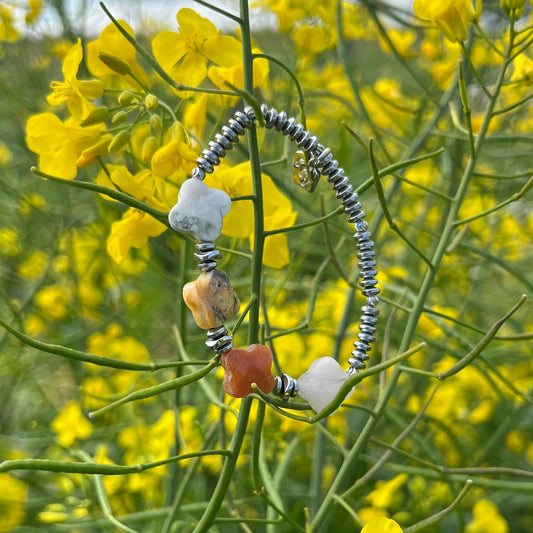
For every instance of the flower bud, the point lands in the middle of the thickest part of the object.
(119, 117)
(150, 147)
(156, 123)
(114, 63)
(151, 102)
(120, 140)
(510, 5)
(89, 155)
(96, 115)
(125, 98)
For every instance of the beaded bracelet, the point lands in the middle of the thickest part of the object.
(200, 211)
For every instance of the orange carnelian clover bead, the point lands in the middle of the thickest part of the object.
(211, 299)
(246, 366)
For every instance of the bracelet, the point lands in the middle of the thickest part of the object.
(200, 211)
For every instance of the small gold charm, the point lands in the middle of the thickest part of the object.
(303, 174)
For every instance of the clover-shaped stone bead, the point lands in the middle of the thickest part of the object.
(321, 383)
(211, 299)
(246, 366)
(200, 210)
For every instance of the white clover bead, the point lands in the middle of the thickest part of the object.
(321, 383)
(200, 210)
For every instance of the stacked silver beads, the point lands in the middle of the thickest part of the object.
(320, 162)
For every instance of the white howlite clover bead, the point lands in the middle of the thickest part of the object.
(321, 383)
(200, 210)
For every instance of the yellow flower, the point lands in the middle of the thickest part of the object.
(30, 202)
(132, 231)
(14, 494)
(9, 242)
(452, 17)
(112, 42)
(174, 155)
(382, 525)
(516, 5)
(8, 31)
(70, 424)
(310, 41)
(53, 301)
(35, 8)
(221, 76)
(184, 55)
(59, 144)
(385, 492)
(76, 94)
(239, 222)
(5, 154)
(33, 265)
(486, 519)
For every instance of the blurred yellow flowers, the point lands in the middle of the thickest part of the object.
(452, 17)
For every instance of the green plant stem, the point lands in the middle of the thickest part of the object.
(99, 360)
(423, 524)
(117, 195)
(226, 474)
(148, 392)
(50, 465)
(482, 344)
(346, 470)
(514, 198)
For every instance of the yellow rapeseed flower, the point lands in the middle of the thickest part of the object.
(239, 222)
(53, 301)
(385, 493)
(14, 494)
(132, 231)
(184, 55)
(8, 32)
(5, 154)
(112, 42)
(32, 267)
(9, 242)
(59, 144)
(70, 424)
(452, 17)
(486, 519)
(221, 76)
(75, 93)
(382, 524)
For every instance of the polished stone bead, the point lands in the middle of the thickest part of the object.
(211, 299)
(200, 210)
(246, 366)
(321, 383)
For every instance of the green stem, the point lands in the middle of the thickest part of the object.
(117, 195)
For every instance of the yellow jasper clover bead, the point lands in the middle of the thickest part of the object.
(211, 299)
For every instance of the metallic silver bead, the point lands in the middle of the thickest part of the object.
(285, 386)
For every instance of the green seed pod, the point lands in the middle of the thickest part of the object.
(150, 147)
(125, 98)
(119, 117)
(97, 115)
(151, 102)
(115, 63)
(156, 123)
(119, 141)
